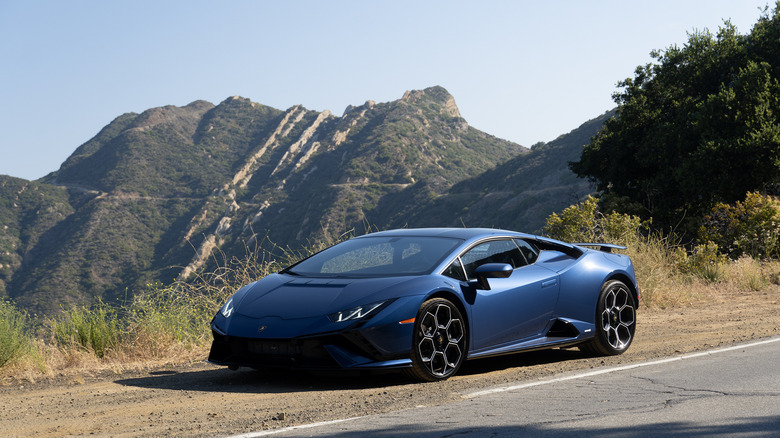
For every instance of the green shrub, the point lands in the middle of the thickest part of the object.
(95, 328)
(704, 261)
(584, 222)
(576, 223)
(748, 228)
(14, 337)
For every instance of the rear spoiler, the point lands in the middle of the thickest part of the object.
(570, 250)
(606, 247)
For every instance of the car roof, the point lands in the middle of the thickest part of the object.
(457, 233)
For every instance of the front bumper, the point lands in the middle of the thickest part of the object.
(335, 351)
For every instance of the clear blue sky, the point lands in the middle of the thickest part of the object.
(526, 71)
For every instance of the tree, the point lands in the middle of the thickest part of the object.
(699, 126)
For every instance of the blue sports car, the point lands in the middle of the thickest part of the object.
(425, 300)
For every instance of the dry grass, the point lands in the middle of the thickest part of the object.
(753, 275)
(161, 325)
(49, 361)
(660, 283)
(666, 281)
(168, 325)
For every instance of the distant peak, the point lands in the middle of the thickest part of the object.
(238, 99)
(436, 94)
(200, 104)
(368, 105)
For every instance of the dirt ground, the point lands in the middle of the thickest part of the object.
(203, 400)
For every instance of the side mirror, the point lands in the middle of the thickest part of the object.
(491, 270)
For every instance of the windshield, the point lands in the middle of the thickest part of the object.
(378, 257)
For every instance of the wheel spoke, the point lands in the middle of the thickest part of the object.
(617, 318)
(439, 347)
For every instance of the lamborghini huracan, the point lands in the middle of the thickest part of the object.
(426, 300)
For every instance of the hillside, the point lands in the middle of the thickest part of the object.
(159, 195)
(517, 194)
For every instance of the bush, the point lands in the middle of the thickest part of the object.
(576, 223)
(94, 328)
(14, 337)
(584, 222)
(704, 261)
(658, 260)
(748, 228)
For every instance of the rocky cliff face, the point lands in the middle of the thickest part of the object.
(155, 196)
(318, 175)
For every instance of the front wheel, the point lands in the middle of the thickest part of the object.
(615, 321)
(438, 341)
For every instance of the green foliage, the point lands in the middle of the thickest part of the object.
(704, 261)
(95, 328)
(584, 222)
(748, 228)
(699, 126)
(14, 333)
(576, 223)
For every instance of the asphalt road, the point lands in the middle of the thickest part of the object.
(722, 393)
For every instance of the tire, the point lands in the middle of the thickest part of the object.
(615, 321)
(439, 341)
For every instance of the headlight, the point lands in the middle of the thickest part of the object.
(356, 313)
(227, 309)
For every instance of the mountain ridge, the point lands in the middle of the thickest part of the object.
(153, 196)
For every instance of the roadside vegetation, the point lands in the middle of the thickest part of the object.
(168, 324)
(161, 324)
(672, 274)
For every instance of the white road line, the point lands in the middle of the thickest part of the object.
(612, 370)
(288, 429)
(528, 385)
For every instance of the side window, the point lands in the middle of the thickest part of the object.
(495, 251)
(455, 270)
(529, 251)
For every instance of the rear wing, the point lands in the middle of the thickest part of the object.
(570, 250)
(606, 247)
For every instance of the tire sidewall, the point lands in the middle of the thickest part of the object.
(419, 368)
(602, 341)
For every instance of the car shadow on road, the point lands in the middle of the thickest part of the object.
(520, 360)
(247, 380)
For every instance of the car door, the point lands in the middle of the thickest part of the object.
(515, 308)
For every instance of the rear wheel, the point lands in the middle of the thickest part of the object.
(438, 342)
(615, 320)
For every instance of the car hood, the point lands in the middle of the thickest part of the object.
(288, 297)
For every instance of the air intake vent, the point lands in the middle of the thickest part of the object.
(562, 329)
